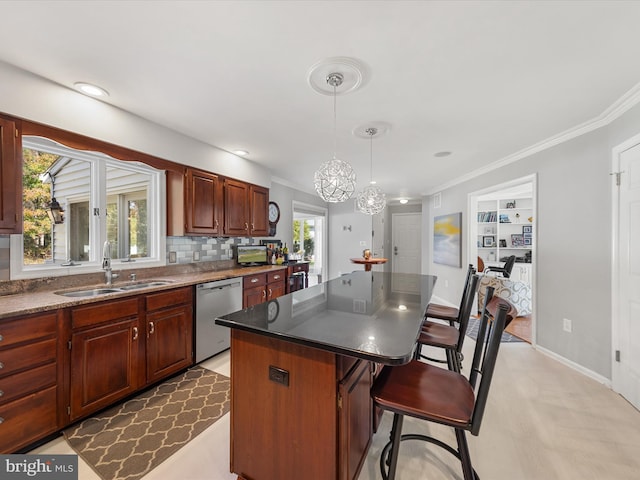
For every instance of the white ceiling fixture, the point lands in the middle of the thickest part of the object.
(241, 153)
(91, 90)
(404, 201)
(371, 200)
(335, 181)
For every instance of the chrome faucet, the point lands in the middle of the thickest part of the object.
(109, 276)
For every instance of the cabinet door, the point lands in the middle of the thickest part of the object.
(10, 179)
(169, 341)
(259, 203)
(355, 419)
(236, 208)
(254, 296)
(203, 203)
(276, 289)
(104, 366)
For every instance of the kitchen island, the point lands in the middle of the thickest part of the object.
(302, 367)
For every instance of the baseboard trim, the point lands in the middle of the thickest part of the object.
(575, 366)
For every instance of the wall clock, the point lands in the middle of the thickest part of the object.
(273, 309)
(274, 216)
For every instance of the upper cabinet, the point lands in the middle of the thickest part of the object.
(245, 209)
(203, 205)
(10, 178)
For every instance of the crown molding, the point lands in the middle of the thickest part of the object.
(630, 99)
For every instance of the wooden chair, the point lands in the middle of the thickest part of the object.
(434, 394)
(444, 312)
(450, 338)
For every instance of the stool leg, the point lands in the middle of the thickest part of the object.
(465, 457)
(392, 461)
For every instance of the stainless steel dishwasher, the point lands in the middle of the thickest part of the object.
(214, 299)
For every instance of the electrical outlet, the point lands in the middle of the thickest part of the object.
(567, 325)
(172, 257)
(363, 243)
(446, 283)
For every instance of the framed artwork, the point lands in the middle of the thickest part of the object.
(447, 239)
(503, 243)
(527, 241)
(511, 204)
(488, 241)
(517, 240)
(527, 229)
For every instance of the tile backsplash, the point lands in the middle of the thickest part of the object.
(202, 249)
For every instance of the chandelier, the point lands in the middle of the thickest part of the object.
(371, 200)
(335, 180)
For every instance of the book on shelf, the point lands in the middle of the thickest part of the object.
(485, 217)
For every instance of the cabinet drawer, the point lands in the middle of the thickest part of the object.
(18, 385)
(275, 277)
(169, 298)
(27, 328)
(25, 420)
(298, 268)
(19, 358)
(103, 312)
(256, 280)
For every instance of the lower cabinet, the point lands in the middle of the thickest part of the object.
(121, 346)
(106, 354)
(313, 404)
(169, 331)
(262, 287)
(29, 379)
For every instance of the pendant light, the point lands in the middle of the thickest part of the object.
(335, 180)
(371, 200)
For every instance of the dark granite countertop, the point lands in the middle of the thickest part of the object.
(371, 315)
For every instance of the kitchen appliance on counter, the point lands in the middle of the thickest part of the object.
(214, 299)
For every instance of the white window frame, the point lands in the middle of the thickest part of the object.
(156, 210)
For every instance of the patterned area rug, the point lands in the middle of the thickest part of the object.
(129, 440)
(472, 331)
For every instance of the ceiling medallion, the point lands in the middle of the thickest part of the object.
(335, 180)
(371, 200)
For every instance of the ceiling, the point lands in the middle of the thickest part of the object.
(480, 79)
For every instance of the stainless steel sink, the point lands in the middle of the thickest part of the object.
(89, 293)
(151, 283)
(93, 292)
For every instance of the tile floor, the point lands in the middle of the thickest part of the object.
(544, 421)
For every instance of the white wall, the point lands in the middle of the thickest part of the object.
(573, 240)
(28, 96)
(344, 243)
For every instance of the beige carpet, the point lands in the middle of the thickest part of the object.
(129, 440)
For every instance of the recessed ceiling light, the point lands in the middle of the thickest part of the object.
(92, 90)
(402, 307)
(442, 154)
(373, 182)
(241, 153)
(403, 201)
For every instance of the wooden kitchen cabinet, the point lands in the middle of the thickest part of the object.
(169, 330)
(203, 203)
(10, 178)
(107, 346)
(245, 209)
(262, 287)
(29, 379)
(355, 419)
(316, 408)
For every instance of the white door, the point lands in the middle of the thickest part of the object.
(626, 299)
(407, 243)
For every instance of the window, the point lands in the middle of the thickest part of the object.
(102, 198)
(309, 238)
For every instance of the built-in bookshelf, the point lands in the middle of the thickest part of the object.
(505, 228)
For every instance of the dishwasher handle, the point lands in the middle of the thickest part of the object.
(205, 288)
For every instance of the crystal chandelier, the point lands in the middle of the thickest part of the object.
(371, 200)
(335, 180)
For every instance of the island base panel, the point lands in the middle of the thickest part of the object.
(282, 431)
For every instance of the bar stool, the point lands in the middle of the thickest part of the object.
(434, 394)
(444, 312)
(450, 338)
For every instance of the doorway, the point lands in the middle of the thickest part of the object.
(625, 294)
(503, 223)
(310, 238)
(406, 237)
